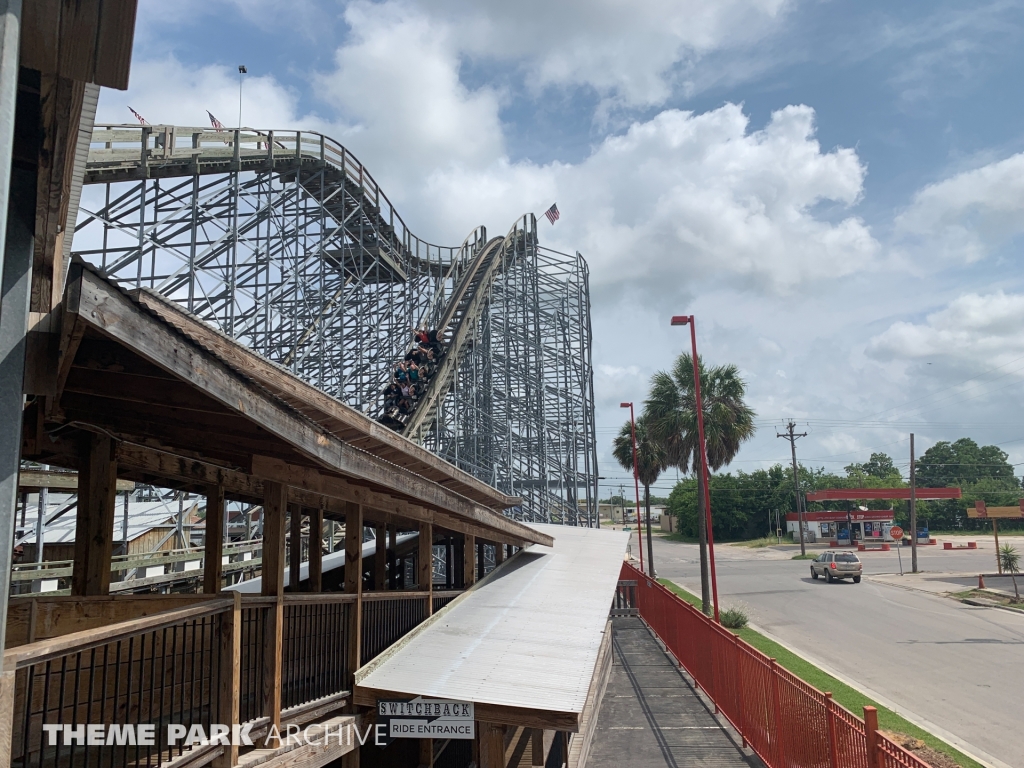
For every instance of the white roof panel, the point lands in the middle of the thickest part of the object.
(527, 637)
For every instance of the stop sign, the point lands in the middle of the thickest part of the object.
(896, 532)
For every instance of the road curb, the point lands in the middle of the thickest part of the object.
(937, 731)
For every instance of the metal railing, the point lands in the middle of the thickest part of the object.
(159, 670)
(387, 617)
(783, 719)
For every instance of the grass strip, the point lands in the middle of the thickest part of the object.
(850, 698)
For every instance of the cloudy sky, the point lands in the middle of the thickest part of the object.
(834, 189)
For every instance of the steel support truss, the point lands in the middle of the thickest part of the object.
(283, 241)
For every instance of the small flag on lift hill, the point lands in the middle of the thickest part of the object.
(215, 122)
(552, 213)
(140, 118)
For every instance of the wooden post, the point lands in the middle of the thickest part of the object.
(492, 745)
(272, 581)
(380, 558)
(8, 683)
(871, 733)
(499, 554)
(294, 548)
(833, 742)
(97, 494)
(392, 553)
(468, 560)
(213, 548)
(426, 753)
(425, 564)
(995, 531)
(354, 582)
(480, 564)
(230, 675)
(537, 747)
(316, 549)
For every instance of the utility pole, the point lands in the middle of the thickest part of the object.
(913, 509)
(792, 436)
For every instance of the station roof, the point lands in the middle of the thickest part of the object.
(189, 405)
(522, 644)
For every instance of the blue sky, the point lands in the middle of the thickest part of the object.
(834, 189)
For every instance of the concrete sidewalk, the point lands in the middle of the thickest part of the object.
(944, 583)
(652, 717)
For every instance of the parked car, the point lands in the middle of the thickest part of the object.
(837, 565)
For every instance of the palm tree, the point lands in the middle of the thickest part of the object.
(1009, 561)
(650, 461)
(728, 422)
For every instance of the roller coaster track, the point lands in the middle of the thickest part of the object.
(283, 240)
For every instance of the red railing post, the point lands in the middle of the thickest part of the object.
(780, 746)
(737, 667)
(833, 744)
(871, 736)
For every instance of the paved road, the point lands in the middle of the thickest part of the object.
(954, 666)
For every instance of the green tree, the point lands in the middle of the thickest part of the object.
(728, 422)
(879, 466)
(983, 472)
(650, 462)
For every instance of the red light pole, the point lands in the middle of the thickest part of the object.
(688, 320)
(636, 481)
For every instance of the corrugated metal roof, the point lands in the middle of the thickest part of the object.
(143, 516)
(527, 637)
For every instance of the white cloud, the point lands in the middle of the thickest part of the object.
(980, 330)
(967, 215)
(396, 85)
(635, 53)
(686, 196)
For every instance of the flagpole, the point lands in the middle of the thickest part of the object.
(241, 71)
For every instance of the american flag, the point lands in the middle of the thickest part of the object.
(215, 122)
(552, 213)
(140, 118)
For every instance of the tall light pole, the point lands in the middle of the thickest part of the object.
(689, 320)
(636, 482)
(241, 71)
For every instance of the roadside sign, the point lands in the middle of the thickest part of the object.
(896, 532)
(422, 718)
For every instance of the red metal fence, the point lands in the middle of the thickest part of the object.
(787, 722)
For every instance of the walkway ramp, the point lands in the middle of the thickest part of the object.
(652, 717)
(523, 644)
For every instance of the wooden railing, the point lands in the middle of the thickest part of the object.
(207, 662)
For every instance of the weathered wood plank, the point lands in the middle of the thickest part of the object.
(354, 582)
(468, 561)
(213, 547)
(316, 549)
(95, 517)
(228, 697)
(491, 739)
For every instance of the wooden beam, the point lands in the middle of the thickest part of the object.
(499, 554)
(492, 745)
(95, 517)
(354, 582)
(105, 308)
(272, 582)
(228, 697)
(392, 557)
(425, 563)
(294, 547)
(274, 507)
(426, 753)
(213, 547)
(380, 557)
(537, 743)
(316, 549)
(480, 563)
(467, 516)
(322, 408)
(33, 479)
(468, 561)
